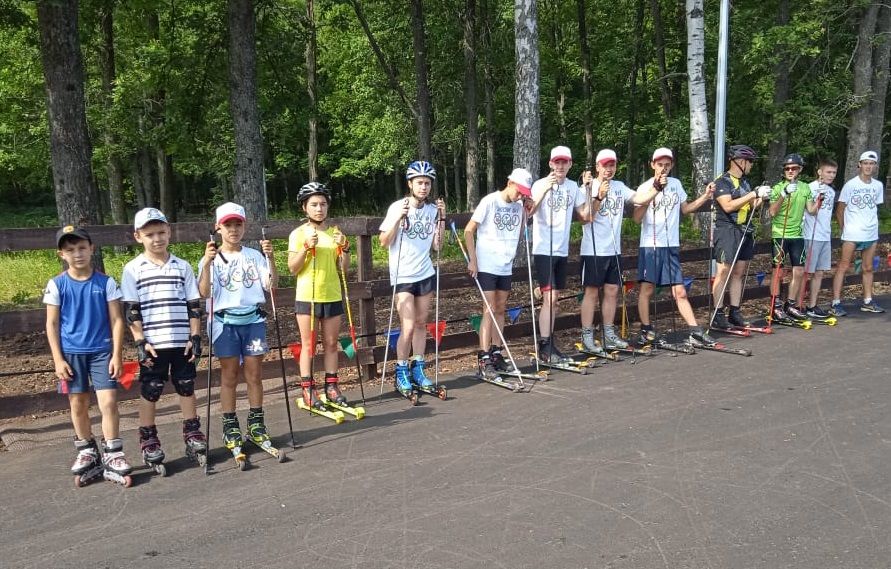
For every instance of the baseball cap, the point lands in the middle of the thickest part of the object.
(73, 231)
(229, 211)
(523, 179)
(147, 215)
(606, 155)
(561, 153)
(662, 153)
(869, 155)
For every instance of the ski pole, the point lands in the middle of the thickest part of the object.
(395, 279)
(599, 306)
(440, 224)
(312, 324)
(490, 310)
(281, 356)
(531, 292)
(349, 311)
(210, 318)
(726, 282)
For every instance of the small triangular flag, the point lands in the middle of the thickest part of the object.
(659, 289)
(437, 331)
(875, 263)
(128, 374)
(580, 296)
(475, 320)
(394, 337)
(629, 286)
(759, 276)
(514, 314)
(295, 349)
(346, 344)
(858, 263)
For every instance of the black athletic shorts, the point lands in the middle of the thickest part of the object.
(488, 281)
(790, 253)
(419, 288)
(322, 309)
(171, 362)
(597, 271)
(544, 270)
(727, 242)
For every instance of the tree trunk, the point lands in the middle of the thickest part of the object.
(311, 90)
(659, 38)
(700, 140)
(585, 52)
(881, 60)
(489, 87)
(630, 159)
(858, 127)
(779, 127)
(456, 166)
(165, 183)
(527, 123)
(559, 84)
(398, 186)
(249, 187)
(424, 106)
(114, 168)
(472, 133)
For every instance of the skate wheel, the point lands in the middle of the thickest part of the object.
(441, 393)
(201, 459)
(281, 455)
(161, 469)
(413, 399)
(127, 481)
(515, 388)
(360, 413)
(583, 371)
(78, 481)
(242, 464)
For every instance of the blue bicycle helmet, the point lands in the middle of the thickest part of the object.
(420, 168)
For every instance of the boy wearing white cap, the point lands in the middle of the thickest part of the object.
(555, 198)
(241, 275)
(817, 230)
(659, 259)
(601, 247)
(163, 310)
(858, 219)
(498, 222)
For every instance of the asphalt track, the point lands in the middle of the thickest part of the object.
(779, 460)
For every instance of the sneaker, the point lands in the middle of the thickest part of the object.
(498, 359)
(613, 341)
(698, 337)
(736, 318)
(795, 312)
(720, 322)
(647, 334)
(817, 313)
(837, 310)
(871, 306)
(588, 343)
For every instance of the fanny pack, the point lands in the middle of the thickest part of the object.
(233, 318)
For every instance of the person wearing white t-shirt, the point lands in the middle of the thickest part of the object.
(601, 247)
(492, 235)
(858, 219)
(411, 227)
(659, 258)
(555, 199)
(817, 231)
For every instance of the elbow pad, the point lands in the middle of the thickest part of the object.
(133, 312)
(194, 308)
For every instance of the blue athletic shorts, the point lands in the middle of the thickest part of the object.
(863, 245)
(241, 341)
(90, 370)
(660, 266)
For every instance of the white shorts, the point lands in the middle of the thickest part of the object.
(819, 255)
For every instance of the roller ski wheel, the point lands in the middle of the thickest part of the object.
(124, 480)
(88, 476)
(357, 412)
(409, 394)
(336, 416)
(267, 447)
(434, 390)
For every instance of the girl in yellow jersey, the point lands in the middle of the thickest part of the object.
(314, 250)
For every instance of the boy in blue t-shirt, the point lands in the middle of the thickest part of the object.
(85, 330)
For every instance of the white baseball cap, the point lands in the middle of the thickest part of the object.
(147, 215)
(606, 155)
(869, 155)
(561, 153)
(662, 153)
(229, 211)
(523, 179)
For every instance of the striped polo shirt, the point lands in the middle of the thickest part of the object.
(162, 292)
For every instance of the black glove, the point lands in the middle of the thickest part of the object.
(141, 354)
(196, 346)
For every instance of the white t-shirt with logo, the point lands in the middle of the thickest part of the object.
(500, 224)
(238, 283)
(412, 256)
(559, 205)
(861, 214)
(662, 221)
(607, 224)
(823, 218)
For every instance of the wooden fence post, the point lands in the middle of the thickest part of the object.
(366, 305)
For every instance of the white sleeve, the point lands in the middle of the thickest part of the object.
(880, 197)
(393, 215)
(627, 193)
(580, 197)
(51, 294)
(263, 265)
(681, 191)
(480, 213)
(845, 194)
(112, 292)
(128, 286)
(189, 283)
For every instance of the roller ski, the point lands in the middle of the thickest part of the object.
(152, 453)
(334, 399)
(422, 383)
(592, 347)
(233, 440)
(487, 372)
(778, 315)
(258, 435)
(195, 441)
(507, 371)
(310, 401)
(720, 323)
(660, 343)
(551, 357)
(819, 316)
(403, 385)
(701, 340)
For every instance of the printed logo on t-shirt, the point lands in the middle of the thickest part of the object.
(506, 219)
(246, 276)
(558, 200)
(419, 226)
(863, 199)
(667, 203)
(612, 204)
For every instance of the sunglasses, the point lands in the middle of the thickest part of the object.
(791, 168)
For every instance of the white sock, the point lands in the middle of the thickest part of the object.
(867, 300)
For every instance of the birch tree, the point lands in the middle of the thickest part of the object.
(527, 124)
(700, 140)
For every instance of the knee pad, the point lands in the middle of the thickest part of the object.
(151, 390)
(184, 387)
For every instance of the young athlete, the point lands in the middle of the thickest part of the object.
(85, 331)
(817, 230)
(602, 246)
(858, 219)
(492, 235)
(240, 275)
(163, 309)
(659, 259)
(314, 251)
(788, 201)
(555, 198)
(735, 203)
(411, 227)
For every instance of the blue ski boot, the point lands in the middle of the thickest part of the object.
(403, 380)
(418, 377)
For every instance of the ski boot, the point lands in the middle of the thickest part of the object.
(736, 318)
(817, 313)
(196, 442)
(549, 353)
(487, 371)
(647, 335)
(422, 382)
(233, 440)
(501, 365)
(310, 397)
(778, 313)
(152, 454)
(720, 322)
(117, 469)
(699, 338)
(403, 383)
(332, 391)
(87, 466)
(588, 343)
(258, 434)
(613, 341)
(794, 312)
